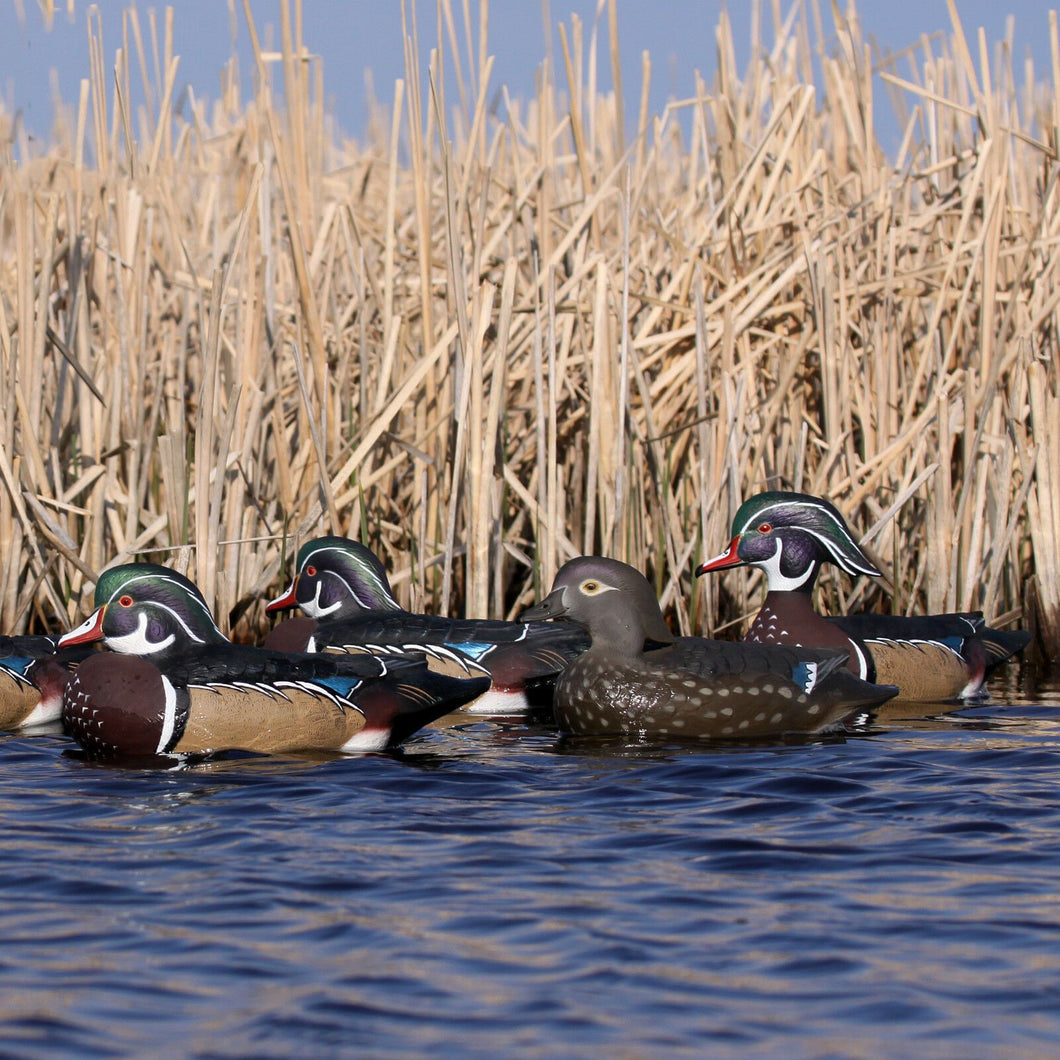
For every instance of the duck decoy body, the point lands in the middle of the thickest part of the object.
(790, 536)
(33, 675)
(172, 683)
(348, 605)
(638, 680)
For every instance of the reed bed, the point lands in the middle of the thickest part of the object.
(502, 332)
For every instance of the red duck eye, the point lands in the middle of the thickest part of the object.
(125, 601)
(765, 528)
(311, 571)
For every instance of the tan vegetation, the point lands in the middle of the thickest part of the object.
(500, 334)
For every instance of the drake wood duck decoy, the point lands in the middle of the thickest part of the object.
(930, 658)
(345, 595)
(638, 680)
(173, 684)
(33, 675)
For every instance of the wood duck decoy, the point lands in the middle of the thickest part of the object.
(173, 684)
(33, 675)
(348, 605)
(641, 681)
(930, 658)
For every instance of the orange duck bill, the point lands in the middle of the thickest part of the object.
(287, 601)
(90, 630)
(729, 558)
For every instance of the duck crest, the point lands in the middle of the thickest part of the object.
(348, 606)
(337, 578)
(176, 686)
(789, 536)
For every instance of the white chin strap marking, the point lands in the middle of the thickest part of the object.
(136, 643)
(315, 609)
(777, 581)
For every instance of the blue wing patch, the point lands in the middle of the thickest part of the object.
(341, 686)
(474, 649)
(804, 674)
(17, 665)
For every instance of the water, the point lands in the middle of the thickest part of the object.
(493, 891)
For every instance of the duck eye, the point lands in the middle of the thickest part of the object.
(311, 571)
(125, 601)
(589, 587)
(765, 528)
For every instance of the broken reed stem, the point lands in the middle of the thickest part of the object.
(534, 332)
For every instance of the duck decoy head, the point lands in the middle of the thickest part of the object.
(146, 609)
(337, 578)
(612, 600)
(789, 536)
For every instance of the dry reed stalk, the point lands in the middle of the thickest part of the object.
(533, 333)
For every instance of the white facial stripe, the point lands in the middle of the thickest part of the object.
(839, 558)
(590, 586)
(842, 561)
(365, 572)
(123, 590)
(136, 643)
(776, 581)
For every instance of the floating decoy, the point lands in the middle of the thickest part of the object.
(173, 684)
(639, 680)
(348, 605)
(930, 658)
(33, 675)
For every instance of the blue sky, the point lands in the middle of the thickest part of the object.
(353, 35)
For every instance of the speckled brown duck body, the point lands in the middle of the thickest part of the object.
(348, 606)
(173, 684)
(930, 658)
(638, 680)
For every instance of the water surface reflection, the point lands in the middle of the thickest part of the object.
(494, 890)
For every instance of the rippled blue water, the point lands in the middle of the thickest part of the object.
(493, 891)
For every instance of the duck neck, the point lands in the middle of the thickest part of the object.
(787, 614)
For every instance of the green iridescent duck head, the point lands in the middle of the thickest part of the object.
(337, 578)
(790, 536)
(147, 609)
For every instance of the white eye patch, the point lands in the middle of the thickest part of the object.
(593, 587)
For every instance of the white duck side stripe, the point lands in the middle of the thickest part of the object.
(811, 678)
(169, 715)
(863, 662)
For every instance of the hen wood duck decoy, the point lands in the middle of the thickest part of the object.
(345, 595)
(930, 658)
(639, 680)
(173, 684)
(33, 675)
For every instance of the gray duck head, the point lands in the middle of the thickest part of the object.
(612, 600)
